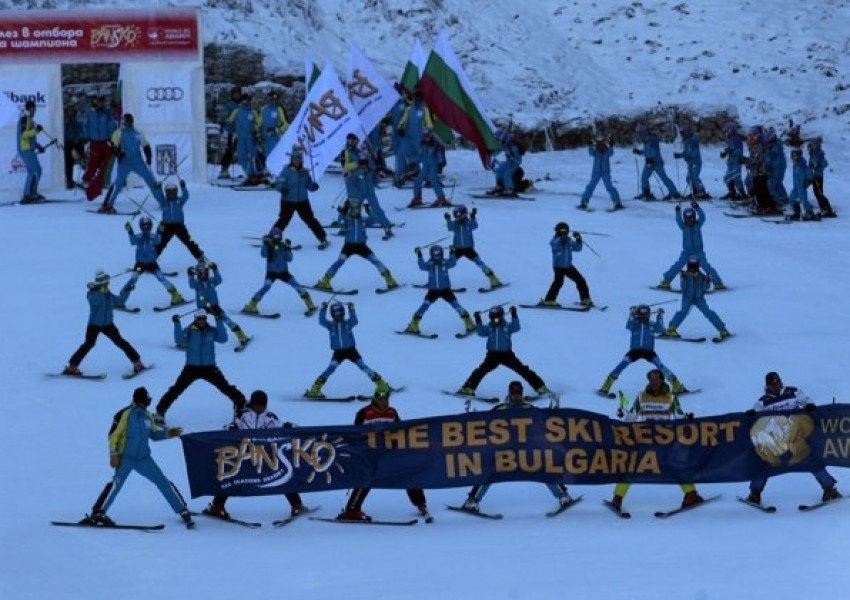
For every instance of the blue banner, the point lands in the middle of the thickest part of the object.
(545, 445)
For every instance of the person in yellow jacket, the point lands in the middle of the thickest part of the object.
(28, 150)
(129, 450)
(655, 403)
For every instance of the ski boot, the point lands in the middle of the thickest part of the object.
(388, 278)
(468, 323)
(606, 386)
(543, 391)
(99, 518)
(71, 370)
(308, 301)
(494, 281)
(352, 514)
(441, 201)
(413, 326)
(670, 332)
(830, 493)
(138, 366)
(617, 502)
(415, 202)
(677, 387)
(316, 390)
(754, 497)
(324, 283)
(216, 510)
(720, 286)
(549, 303)
(565, 499)
(466, 391)
(187, 518)
(691, 498)
(470, 505)
(176, 298)
(664, 285)
(324, 243)
(251, 308)
(240, 335)
(587, 302)
(724, 333)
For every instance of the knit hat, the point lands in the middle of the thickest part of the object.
(771, 378)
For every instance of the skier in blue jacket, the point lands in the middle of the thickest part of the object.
(278, 255)
(500, 351)
(504, 170)
(199, 340)
(429, 162)
(653, 163)
(439, 287)
(129, 450)
(693, 159)
(462, 226)
(802, 177)
(355, 245)
(695, 284)
(134, 155)
(101, 302)
(146, 242)
(173, 220)
(642, 346)
(340, 331)
(273, 122)
(690, 221)
(601, 150)
(360, 184)
(245, 122)
(293, 183)
(776, 165)
(403, 160)
(562, 265)
(206, 296)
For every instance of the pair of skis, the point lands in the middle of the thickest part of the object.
(498, 516)
(577, 308)
(717, 339)
(136, 309)
(351, 398)
(802, 507)
(660, 514)
(101, 376)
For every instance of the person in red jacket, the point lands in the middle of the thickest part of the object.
(378, 412)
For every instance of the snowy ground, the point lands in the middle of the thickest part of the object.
(786, 308)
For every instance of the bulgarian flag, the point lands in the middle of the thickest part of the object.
(452, 98)
(410, 79)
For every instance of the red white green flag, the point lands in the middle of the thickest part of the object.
(451, 97)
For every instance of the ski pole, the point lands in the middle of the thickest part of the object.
(594, 233)
(141, 208)
(660, 303)
(637, 174)
(589, 247)
(432, 243)
(186, 314)
(174, 171)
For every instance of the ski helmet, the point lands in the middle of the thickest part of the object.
(29, 104)
(689, 214)
(145, 224)
(275, 234)
(436, 252)
(141, 396)
(515, 388)
(643, 311)
(202, 269)
(200, 314)
(459, 211)
(771, 378)
(258, 398)
(659, 372)
(693, 263)
(497, 312)
(101, 277)
(297, 153)
(337, 311)
(382, 394)
(171, 191)
(562, 228)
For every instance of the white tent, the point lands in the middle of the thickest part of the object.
(162, 77)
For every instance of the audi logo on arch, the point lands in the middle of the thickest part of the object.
(164, 94)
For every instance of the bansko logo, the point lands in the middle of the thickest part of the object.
(112, 36)
(164, 94)
(781, 439)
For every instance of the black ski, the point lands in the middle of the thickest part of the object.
(617, 208)
(602, 308)
(427, 336)
(248, 524)
(40, 201)
(116, 526)
(352, 398)
(487, 399)
(609, 395)
(557, 307)
(464, 334)
(133, 373)
(560, 509)
(665, 289)
(492, 288)
(421, 207)
(617, 511)
(242, 345)
(503, 197)
(663, 514)
(811, 507)
(304, 511)
(358, 522)
(384, 290)
(720, 340)
(170, 306)
(475, 513)
(424, 286)
(89, 376)
(259, 315)
(115, 214)
(295, 247)
(761, 507)
(680, 338)
(585, 208)
(335, 291)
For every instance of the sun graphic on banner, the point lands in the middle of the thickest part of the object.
(322, 455)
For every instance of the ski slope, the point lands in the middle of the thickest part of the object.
(786, 308)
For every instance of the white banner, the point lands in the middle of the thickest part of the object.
(370, 93)
(8, 111)
(164, 98)
(320, 127)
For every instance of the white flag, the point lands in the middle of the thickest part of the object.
(370, 93)
(8, 111)
(319, 128)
